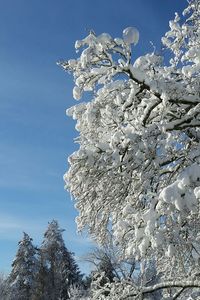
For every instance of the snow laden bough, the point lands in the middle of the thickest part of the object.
(137, 169)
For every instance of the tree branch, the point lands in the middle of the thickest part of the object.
(171, 284)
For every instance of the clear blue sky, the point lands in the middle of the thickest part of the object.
(36, 137)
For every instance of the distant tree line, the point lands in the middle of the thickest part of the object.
(50, 272)
(45, 273)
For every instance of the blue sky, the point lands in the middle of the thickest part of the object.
(36, 137)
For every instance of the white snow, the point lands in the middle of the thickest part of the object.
(77, 93)
(131, 35)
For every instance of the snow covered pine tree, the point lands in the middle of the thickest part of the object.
(22, 279)
(62, 270)
(138, 166)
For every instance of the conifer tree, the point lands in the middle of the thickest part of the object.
(42, 288)
(106, 266)
(24, 270)
(61, 266)
(3, 287)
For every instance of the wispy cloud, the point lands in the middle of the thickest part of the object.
(7, 223)
(11, 227)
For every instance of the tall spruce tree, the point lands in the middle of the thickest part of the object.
(42, 282)
(59, 262)
(21, 280)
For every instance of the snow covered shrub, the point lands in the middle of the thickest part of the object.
(77, 292)
(115, 290)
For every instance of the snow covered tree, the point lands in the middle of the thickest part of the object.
(21, 280)
(137, 170)
(109, 259)
(78, 292)
(105, 266)
(42, 281)
(62, 270)
(3, 287)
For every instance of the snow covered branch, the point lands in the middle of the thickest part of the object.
(171, 284)
(137, 170)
